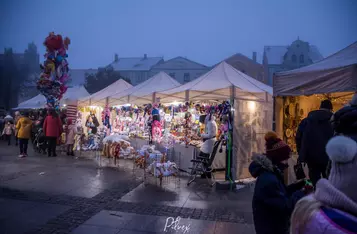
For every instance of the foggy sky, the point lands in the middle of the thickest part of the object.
(205, 31)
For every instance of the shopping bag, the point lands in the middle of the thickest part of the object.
(299, 171)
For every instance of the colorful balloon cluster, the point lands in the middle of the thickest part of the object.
(52, 82)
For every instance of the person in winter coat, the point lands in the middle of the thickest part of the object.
(7, 131)
(70, 134)
(92, 123)
(344, 122)
(209, 138)
(23, 127)
(313, 134)
(17, 117)
(52, 128)
(273, 201)
(332, 209)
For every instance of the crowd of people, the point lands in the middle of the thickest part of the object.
(48, 126)
(327, 143)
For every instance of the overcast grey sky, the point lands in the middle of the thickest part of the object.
(205, 31)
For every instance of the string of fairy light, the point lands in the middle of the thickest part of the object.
(343, 99)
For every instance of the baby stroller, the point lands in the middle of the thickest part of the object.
(39, 142)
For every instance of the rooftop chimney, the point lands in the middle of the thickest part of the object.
(145, 56)
(116, 58)
(255, 56)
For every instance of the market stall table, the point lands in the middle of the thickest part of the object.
(181, 154)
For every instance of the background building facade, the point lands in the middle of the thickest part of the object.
(284, 58)
(181, 69)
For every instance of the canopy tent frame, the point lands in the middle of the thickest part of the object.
(99, 98)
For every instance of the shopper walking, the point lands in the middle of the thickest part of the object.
(313, 134)
(70, 134)
(23, 126)
(52, 128)
(8, 131)
(332, 209)
(273, 201)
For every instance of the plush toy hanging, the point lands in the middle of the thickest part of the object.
(106, 117)
(156, 131)
(187, 128)
(52, 82)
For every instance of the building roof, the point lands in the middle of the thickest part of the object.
(136, 64)
(275, 54)
(180, 63)
(232, 60)
(78, 76)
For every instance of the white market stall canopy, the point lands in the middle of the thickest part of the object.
(144, 92)
(72, 95)
(336, 73)
(218, 84)
(99, 98)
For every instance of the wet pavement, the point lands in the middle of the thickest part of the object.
(80, 195)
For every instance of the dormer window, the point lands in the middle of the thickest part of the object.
(293, 58)
(302, 59)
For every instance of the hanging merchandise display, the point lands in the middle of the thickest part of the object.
(158, 122)
(79, 137)
(106, 120)
(55, 71)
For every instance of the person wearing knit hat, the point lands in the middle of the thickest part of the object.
(273, 201)
(333, 206)
(344, 122)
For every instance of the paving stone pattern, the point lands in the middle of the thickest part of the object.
(74, 211)
(84, 208)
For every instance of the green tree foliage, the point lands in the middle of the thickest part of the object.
(103, 78)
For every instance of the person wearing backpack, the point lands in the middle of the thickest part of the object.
(332, 209)
(313, 134)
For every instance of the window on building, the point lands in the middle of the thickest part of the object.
(302, 59)
(172, 74)
(293, 58)
(186, 77)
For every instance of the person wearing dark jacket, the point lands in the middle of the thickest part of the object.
(313, 134)
(92, 123)
(273, 201)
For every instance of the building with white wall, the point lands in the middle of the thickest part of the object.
(136, 69)
(181, 69)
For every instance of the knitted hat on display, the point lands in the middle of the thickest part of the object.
(276, 149)
(343, 154)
